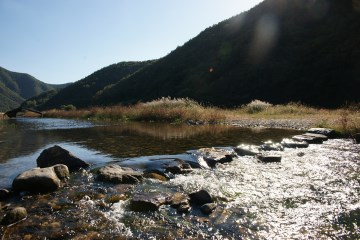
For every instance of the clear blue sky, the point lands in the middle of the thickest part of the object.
(59, 41)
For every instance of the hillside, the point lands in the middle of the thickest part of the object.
(279, 51)
(16, 87)
(81, 93)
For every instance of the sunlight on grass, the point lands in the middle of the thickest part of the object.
(179, 110)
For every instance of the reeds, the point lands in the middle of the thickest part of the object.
(345, 120)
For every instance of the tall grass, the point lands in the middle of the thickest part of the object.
(164, 109)
(345, 120)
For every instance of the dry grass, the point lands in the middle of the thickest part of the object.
(345, 120)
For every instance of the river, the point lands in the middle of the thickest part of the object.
(311, 193)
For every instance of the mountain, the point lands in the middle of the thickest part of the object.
(279, 51)
(16, 87)
(82, 92)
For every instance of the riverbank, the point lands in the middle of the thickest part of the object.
(255, 114)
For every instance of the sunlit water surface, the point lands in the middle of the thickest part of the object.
(312, 194)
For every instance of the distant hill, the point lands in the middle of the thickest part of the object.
(82, 93)
(16, 87)
(279, 51)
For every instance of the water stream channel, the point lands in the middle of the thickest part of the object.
(313, 193)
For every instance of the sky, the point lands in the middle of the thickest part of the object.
(62, 41)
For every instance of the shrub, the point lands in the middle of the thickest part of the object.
(69, 107)
(256, 106)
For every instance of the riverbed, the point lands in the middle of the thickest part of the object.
(311, 193)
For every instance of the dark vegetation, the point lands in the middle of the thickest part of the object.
(280, 51)
(82, 93)
(16, 87)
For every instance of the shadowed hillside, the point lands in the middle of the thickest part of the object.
(16, 87)
(81, 93)
(279, 51)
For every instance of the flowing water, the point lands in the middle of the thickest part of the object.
(312, 193)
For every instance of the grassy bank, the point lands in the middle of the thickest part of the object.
(345, 120)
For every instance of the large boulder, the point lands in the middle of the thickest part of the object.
(142, 202)
(116, 174)
(57, 155)
(14, 215)
(40, 180)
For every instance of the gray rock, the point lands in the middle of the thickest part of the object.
(178, 199)
(269, 158)
(37, 180)
(311, 138)
(200, 198)
(247, 150)
(330, 133)
(57, 155)
(177, 166)
(4, 194)
(116, 174)
(208, 208)
(143, 202)
(14, 215)
(290, 143)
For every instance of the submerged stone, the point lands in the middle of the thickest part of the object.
(208, 208)
(116, 174)
(14, 215)
(177, 166)
(4, 194)
(143, 202)
(57, 155)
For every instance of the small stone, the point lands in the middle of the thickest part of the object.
(183, 208)
(357, 138)
(143, 202)
(155, 176)
(208, 208)
(62, 171)
(178, 199)
(115, 198)
(4, 194)
(200, 197)
(14, 215)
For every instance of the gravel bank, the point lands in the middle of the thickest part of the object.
(298, 124)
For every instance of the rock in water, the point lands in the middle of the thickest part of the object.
(177, 166)
(289, 143)
(357, 138)
(142, 202)
(57, 155)
(62, 171)
(247, 150)
(4, 194)
(311, 138)
(330, 133)
(180, 201)
(208, 208)
(200, 198)
(268, 158)
(37, 180)
(116, 174)
(14, 215)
